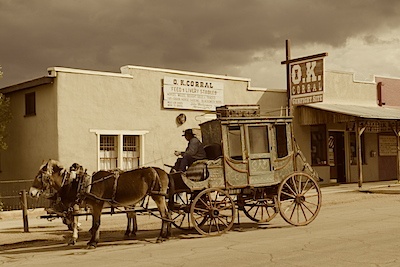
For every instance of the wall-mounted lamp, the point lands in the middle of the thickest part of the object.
(181, 119)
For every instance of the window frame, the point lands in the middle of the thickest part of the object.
(120, 145)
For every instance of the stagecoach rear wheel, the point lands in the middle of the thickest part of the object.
(212, 212)
(258, 206)
(299, 199)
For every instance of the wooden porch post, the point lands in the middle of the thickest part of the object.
(396, 131)
(398, 152)
(359, 132)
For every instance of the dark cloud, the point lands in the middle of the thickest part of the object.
(205, 36)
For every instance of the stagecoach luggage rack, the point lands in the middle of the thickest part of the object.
(228, 111)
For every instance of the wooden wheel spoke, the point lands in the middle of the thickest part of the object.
(200, 210)
(226, 207)
(205, 203)
(224, 223)
(199, 216)
(312, 212)
(222, 203)
(293, 210)
(305, 186)
(311, 203)
(290, 188)
(289, 195)
(311, 187)
(296, 190)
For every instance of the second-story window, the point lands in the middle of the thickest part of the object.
(30, 104)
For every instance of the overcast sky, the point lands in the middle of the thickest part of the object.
(244, 38)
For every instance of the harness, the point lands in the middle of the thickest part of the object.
(154, 189)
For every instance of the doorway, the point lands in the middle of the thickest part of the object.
(336, 156)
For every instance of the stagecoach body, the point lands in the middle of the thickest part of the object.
(253, 161)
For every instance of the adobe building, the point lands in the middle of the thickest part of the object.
(105, 120)
(352, 126)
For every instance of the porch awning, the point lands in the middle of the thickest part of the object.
(322, 113)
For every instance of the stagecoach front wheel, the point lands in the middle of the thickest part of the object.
(179, 207)
(299, 199)
(213, 212)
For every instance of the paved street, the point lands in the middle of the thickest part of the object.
(353, 229)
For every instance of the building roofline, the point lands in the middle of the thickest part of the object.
(181, 72)
(52, 71)
(28, 84)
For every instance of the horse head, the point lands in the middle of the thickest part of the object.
(50, 175)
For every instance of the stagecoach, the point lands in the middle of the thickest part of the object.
(254, 165)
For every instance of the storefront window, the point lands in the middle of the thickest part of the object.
(318, 145)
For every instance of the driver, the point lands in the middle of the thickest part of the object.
(194, 151)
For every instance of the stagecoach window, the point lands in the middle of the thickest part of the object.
(258, 136)
(30, 104)
(281, 141)
(318, 145)
(235, 143)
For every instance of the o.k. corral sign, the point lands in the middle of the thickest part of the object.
(192, 94)
(306, 77)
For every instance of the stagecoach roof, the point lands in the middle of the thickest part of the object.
(319, 113)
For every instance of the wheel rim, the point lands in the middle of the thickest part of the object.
(213, 212)
(258, 206)
(299, 199)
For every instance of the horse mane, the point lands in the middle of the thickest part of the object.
(52, 163)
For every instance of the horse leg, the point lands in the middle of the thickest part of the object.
(95, 230)
(74, 226)
(131, 228)
(165, 231)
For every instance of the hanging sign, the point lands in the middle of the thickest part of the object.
(307, 81)
(192, 94)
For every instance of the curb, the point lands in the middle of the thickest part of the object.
(384, 189)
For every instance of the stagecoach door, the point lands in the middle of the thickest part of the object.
(258, 153)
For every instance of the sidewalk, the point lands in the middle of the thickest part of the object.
(381, 187)
(12, 228)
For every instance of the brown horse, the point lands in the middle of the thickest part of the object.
(115, 189)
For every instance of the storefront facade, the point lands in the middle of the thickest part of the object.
(351, 138)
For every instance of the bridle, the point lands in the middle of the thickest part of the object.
(45, 177)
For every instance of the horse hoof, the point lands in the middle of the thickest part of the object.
(91, 246)
(71, 242)
(161, 239)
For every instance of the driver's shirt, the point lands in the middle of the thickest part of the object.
(195, 149)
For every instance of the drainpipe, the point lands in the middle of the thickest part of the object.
(379, 93)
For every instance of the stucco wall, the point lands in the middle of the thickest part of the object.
(96, 102)
(341, 88)
(31, 139)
